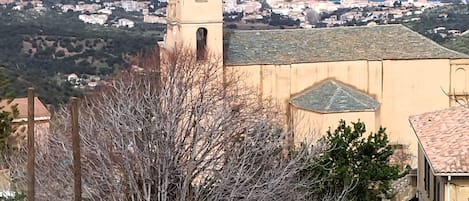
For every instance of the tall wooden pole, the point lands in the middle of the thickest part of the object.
(76, 150)
(31, 151)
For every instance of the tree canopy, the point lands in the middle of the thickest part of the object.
(6, 114)
(352, 159)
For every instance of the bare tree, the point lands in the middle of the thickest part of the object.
(312, 16)
(180, 130)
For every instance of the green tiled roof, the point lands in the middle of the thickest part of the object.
(289, 46)
(333, 97)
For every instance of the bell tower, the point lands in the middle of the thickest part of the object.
(197, 24)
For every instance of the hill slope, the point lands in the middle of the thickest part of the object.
(39, 49)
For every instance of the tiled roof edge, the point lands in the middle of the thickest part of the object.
(433, 42)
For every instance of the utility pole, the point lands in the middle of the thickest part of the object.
(31, 151)
(76, 149)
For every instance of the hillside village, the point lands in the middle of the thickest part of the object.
(307, 67)
(252, 14)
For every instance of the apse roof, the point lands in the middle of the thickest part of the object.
(333, 97)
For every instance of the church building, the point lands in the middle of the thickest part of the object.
(378, 74)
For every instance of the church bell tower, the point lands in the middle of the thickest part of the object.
(195, 24)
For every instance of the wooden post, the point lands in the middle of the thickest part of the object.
(31, 151)
(76, 149)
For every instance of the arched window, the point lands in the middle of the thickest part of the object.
(201, 43)
(460, 81)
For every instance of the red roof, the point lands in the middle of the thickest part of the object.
(40, 111)
(444, 137)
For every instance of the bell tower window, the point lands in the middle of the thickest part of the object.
(201, 37)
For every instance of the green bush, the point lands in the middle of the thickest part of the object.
(352, 160)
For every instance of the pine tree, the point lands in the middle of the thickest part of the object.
(351, 159)
(7, 112)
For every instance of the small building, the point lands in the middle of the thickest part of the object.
(126, 23)
(154, 19)
(72, 77)
(18, 139)
(443, 154)
(93, 19)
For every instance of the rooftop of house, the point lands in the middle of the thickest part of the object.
(289, 46)
(40, 110)
(333, 97)
(444, 137)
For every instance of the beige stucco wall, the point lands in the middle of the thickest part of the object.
(195, 11)
(309, 126)
(184, 18)
(354, 73)
(412, 87)
(403, 87)
(19, 138)
(184, 35)
(459, 189)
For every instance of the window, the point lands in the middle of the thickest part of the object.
(436, 189)
(459, 84)
(426, 177)
(201, 37)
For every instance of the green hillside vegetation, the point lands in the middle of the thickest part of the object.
(460, 44)
(450, 17)
(39, 49)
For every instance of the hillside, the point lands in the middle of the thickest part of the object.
(39, 48)
(446, 25)
(461, 44)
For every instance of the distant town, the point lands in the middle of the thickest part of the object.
(148, 18)
(250, 14)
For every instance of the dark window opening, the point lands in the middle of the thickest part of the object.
(426, 177)
(436, 189)
(201, 43)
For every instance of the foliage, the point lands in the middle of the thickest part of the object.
(6, 114)
(449, 16)
(461, 44)
(352, 159)
(18, 196)
(34, 49)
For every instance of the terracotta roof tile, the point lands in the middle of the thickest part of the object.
(40, 111)
(444, 136)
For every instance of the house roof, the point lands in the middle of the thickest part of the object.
(444, 137)
(40, 111)
(330, 44)
(333, 97)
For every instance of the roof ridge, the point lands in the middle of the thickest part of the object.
(456, 107)
(331, 100)
(354, 98)
(319, 28)
(327, 97)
